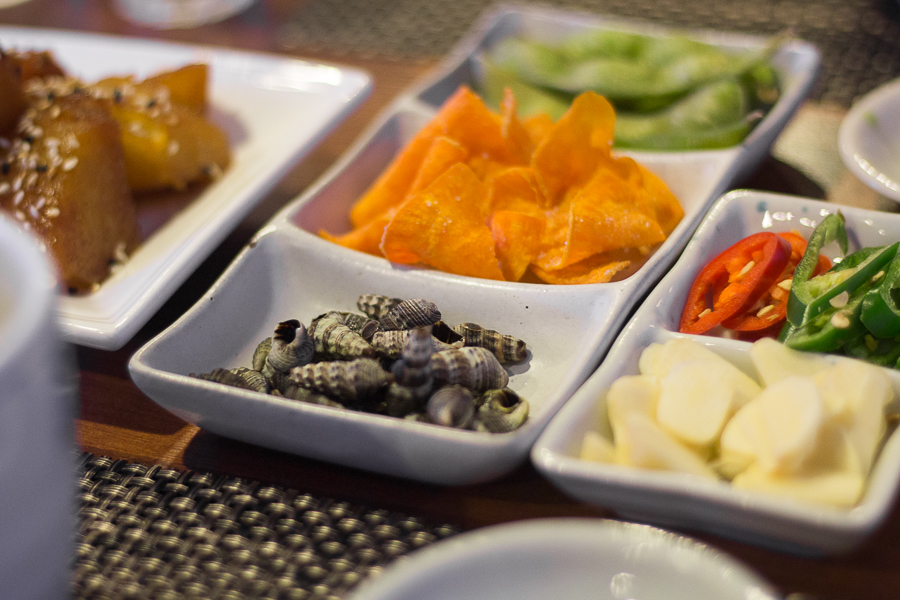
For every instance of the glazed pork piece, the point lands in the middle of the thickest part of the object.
(64, 179)
(73, 155)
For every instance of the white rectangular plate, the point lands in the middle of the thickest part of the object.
(290, 272)
(683, 501)
(274, 111)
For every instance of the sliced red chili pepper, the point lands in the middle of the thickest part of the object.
(759, 320)
(734, 280)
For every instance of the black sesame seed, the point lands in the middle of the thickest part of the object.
(41, 168)
(117, 95)
(29, 139)
(51, 96)
(5, 167)
(151, 103)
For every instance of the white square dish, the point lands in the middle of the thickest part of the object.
(291, 272)
(256, 99)
(680, 501)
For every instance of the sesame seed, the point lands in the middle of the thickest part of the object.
(765, 309)
(840, 300)
(840, 320)
(20, 215)
(55, 111)
(17, 183)
(20, 195)
(33, 211)
(746, 268)
(69, 163)
(5, 187)
(52, 212)
(173, 147)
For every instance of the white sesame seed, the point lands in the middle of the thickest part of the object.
(4, 187)
(840, 300)
(20, 195)
(69, 163)
(17, 183)
(52, 212)
(840, 320)
(172, 148)
(765, 309)
(746, 268)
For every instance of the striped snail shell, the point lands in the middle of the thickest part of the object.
(345, 381)
(501, 411)
(507, 348)
(410, 314)
(375, 305)
(334, 340)
(451, 406)
(473, 367)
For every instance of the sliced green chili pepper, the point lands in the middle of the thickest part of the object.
(817, 293)
(880, 309)
(831, 229)
(831, 328)
(881, 352)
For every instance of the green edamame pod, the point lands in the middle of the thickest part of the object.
(714, 116)
(531, 99)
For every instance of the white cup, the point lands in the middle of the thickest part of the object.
(178, 14)
(38, 396)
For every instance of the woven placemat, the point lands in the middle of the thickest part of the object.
(859, 39)
(150, 532)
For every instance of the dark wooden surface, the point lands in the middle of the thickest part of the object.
(117, 420)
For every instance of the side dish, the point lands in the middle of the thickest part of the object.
(75, 154)
(669, 92)
(394, 357)
(489, 195)
(804, 427)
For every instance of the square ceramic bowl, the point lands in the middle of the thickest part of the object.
(674, 500)
(288, 271)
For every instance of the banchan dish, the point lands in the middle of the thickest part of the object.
(687, 502)
(288, 271)
(273, 109)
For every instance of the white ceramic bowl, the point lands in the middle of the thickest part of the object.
(290, 272)
(869, 140)
(676, 500)
(38, 395)
(575, 559)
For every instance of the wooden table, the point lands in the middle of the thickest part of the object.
(118, 421)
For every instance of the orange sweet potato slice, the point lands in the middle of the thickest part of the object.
(518, 140)
(538, 127)
(570, 153)
(667, 209)
(444, 228)
(517, 240)
(594, 269)
(515, 188)
(366, 238)
(605, 216)
(442, 154)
